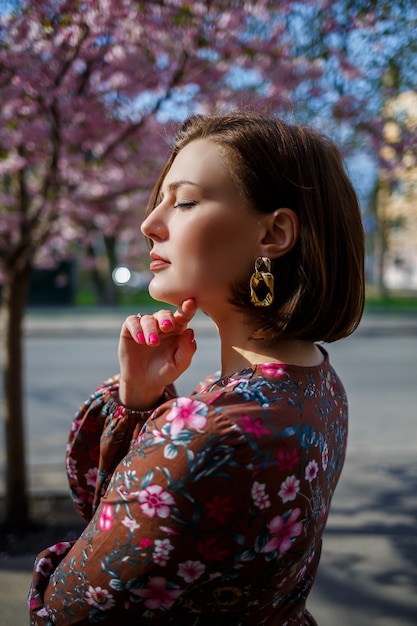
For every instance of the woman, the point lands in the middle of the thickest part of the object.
(210, 509)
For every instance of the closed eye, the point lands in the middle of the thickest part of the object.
(185, 205)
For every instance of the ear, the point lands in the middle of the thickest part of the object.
(281, 233)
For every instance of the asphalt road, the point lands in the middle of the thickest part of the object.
(368, 574)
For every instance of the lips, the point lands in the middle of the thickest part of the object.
(157, 262)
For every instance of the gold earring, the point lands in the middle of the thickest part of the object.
(262, 283)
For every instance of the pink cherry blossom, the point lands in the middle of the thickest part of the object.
(186, 412)
(287, 459)
(131, 524)
(155, 501)
(99, 598)
(289, 488)
(71, 466)
(44, 566)
(259, 496)
(272, 369)
(191, 570)
(219, 508)
(161, 552)
(61, 547)
(283, 532)
(156, 594)
(312, 470)
(254, 427)
(91, 476)
(105, 521)
(119, 412)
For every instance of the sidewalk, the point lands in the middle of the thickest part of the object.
(368, 573)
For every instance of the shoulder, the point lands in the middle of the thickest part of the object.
(263, 399)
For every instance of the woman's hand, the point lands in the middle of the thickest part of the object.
(154, 350)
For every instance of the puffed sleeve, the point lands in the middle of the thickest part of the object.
(100, 436)
(144, 537)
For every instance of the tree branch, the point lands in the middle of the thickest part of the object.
(71, 57)
(133, 127)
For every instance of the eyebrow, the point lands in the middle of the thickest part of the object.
(180, 183)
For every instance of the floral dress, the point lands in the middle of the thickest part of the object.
(210, 511)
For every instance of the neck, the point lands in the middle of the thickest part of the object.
(239, 352)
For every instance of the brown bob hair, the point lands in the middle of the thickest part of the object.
(319, 284)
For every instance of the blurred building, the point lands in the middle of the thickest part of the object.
(398, 209)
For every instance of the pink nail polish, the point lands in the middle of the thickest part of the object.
(192, 336)
(153, 338)
(141, 337)
(167, 324)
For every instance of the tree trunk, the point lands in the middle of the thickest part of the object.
(101, 273)
(95, 273)
(13, 306)
(382, 238)
(112, 294)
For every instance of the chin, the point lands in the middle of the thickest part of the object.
(164, 295)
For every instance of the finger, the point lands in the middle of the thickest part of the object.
(148, 330)
(185, 312)
(185, 350)
(131, 328)
(143, 330)
(165, 320)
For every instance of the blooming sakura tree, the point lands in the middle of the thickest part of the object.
(87, 91)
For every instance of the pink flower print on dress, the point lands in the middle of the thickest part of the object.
(254, 427)
(325, 456)
(287, 459)
(284, 532)
(259, 496)
(130, 523)
(186, 412)
(44, 566)
(99, 598)
(71, 465)
(91, 476)
(156, 594)
(106, 517)
(312, 470)
(75, 425)
(272, 369)
(219, 508)
(119, 412)
(191, 570)
(155, 501)
(161, 551)
(61, 547)
(289, 489)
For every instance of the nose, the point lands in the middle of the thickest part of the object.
(154, 226)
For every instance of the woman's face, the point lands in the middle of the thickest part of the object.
(205, 238)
